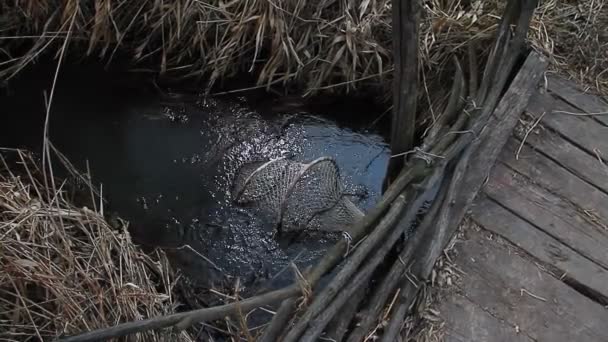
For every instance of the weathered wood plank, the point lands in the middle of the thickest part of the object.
(500, 221)
(552, 214)
(577, 97)
(511, 288)
(569, 156)
(466, 321)
(548, 174)
(580, 130)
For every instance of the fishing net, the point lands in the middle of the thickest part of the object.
(298, 195)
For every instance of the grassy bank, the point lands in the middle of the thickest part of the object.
(64, 269)
(322, 45)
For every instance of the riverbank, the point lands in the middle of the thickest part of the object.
(65, 269)
(304, 47)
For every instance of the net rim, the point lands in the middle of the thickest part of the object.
(253, 174)
(302, 172)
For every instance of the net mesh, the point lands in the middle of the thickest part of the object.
(298, 195)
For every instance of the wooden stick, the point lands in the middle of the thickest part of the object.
(433, 238)
(273, 331)
(395, 324)
(396, 273)
(185, 319)
(353, 262)
(473, 72)
(363, 275)
(498, 51)
(453, 107)
(502, 63)
(338, 326)
(511, 51)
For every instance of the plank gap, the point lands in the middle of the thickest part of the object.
(511, 287)
(595, 118)
(581, 131)
(559, 181)
(560, 163)
(553, 145)
(572, 93)
(546, 250)
(491, 197)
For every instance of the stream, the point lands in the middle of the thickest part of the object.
(166, 163)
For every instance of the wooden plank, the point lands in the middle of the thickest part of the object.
(569, 156)
(552, 214)
(548, 174)
(511, 288)
(577, 97)
(466, 321)
(540, 245)
(580, 130)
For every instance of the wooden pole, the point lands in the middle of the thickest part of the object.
(405, 54)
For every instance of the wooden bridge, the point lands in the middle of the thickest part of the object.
(533, 259)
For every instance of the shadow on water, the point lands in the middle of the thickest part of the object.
(166, 163)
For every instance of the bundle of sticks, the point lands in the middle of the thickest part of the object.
(446, 169)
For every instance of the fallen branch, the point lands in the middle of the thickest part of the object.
(452, 109)
(185, 319)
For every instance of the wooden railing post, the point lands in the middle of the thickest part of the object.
(405, 84)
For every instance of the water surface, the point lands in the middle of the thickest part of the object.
(166, 165)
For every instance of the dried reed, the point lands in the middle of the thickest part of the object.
(64, 269)
(318, 45)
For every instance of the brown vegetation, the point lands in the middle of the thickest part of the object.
(63, 269)
(316, 45)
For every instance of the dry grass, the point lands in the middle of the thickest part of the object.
(317, 45)
(573, 35)
(64, 270)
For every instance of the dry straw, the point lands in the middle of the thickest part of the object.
(317, 45)
(64, 270)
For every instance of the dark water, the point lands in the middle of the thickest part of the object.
(165, 163)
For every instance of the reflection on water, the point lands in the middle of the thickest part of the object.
(167, 166)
